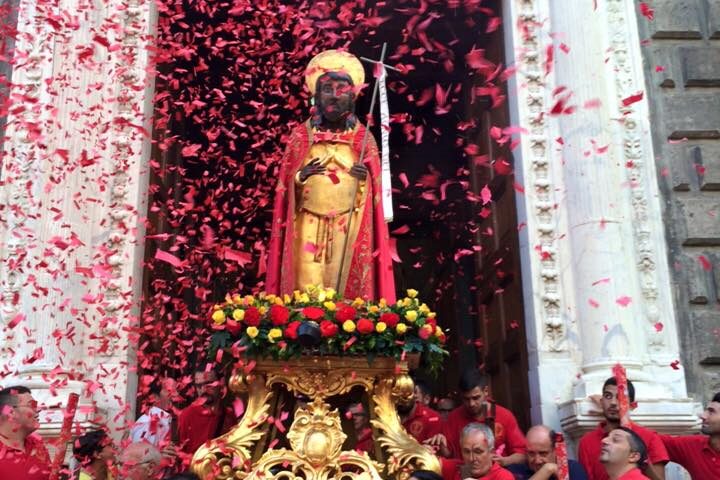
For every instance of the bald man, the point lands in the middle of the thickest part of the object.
(140, 461)
(541, 461)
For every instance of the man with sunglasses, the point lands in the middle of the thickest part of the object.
(23, 455)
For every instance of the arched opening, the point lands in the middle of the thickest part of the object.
(230, 82)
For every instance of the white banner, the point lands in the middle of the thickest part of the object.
(385, 146)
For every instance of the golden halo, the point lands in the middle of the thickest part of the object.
(334, 61)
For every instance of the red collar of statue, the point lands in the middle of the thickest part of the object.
(331, 136)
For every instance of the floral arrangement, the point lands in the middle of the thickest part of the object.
(318, 321)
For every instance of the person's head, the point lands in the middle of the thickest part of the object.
(94, 446)
(422, 392)
(335, 100)
(474, 391)
(445, 406)
(477, 446)
(140, 461)
(359, 416)
(609, 400)
(711, 417)
(622, 450)
(425, 475)
(540, 446)
(19, 410)
(207, 385)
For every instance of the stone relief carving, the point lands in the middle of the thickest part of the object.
(628, 82)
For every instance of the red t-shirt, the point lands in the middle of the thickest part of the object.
(197, 424)
(424, 423)
(695, 454)
(634, 474)
(508, 437)
(31, 464)
(589, 449)
(451, 471)
(365, 441)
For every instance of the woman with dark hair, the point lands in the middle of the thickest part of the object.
(95, 453)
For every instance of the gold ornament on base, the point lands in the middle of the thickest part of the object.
(316, 435)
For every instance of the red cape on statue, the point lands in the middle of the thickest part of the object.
(373, 240)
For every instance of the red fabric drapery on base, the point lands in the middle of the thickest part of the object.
(373, 240)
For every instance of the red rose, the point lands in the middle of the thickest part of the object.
(426, 331)
(328, 328)
(345, 312)
(291, 330)
(233, 327)
(279, 315)
(432, 322)
(390, 319)
(252, 317)
(365, 326)
(313, 313)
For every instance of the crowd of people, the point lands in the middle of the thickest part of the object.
(477, 439)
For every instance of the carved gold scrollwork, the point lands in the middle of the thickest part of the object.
(218, 458)
(406, 454)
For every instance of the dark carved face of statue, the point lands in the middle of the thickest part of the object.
(335, 98)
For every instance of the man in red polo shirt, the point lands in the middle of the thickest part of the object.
(419, 420)
(23, 455)
(590, 444)
(477, 447)
(478, 408)
(622, 453)
(699, 454)
(206, 418)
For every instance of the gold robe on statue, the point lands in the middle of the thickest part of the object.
(321, 216)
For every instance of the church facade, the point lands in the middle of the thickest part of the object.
(620, 206)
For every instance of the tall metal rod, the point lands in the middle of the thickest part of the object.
(357, 182)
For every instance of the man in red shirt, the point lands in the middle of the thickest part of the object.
(590, 444)
(477, 447)
(23, 455)
(478, 408)
(622, 453)
(206, 418)
(699, 454)
(361, 424)
(419, 420)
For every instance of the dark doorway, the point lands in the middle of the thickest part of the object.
(229, 84)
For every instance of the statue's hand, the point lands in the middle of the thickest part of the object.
(312, 168)
(359, 171)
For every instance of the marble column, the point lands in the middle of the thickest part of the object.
(594, 256)
(75, 182)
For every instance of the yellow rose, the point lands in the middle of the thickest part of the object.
(411, 315)
(237, 299)
(263, 310)
(424, 309)
(373, 309)
(252, 332)
(431, 315)
(358, 302)
(406, 302)
(249, 300)
(382, 303)
(401, 328)
(412, 293)
(218, 317)
(279, 301)
(330, 293)
(439, 332)
(380, 327)
(286, 298)
(270, 298)
(273, 334)
(304, 298)
(348, 326)
(296, 295)
(399, 303)
(238, 314)
(321, 296)
(330, 306)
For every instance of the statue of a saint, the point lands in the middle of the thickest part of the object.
(328, 227)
